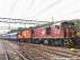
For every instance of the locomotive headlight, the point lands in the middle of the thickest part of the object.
(78, 34)
(73, 49)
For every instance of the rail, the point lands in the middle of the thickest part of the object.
(18, 53)
(5, 51)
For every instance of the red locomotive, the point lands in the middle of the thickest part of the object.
(58, 35)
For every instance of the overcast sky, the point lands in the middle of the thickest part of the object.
(40, 9)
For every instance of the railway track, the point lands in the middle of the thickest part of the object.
(11, 53)
(4, 55)
(55, 51)
(31, 56)
(47, 52)
(42, 52)
(34, 54)
(65, 52)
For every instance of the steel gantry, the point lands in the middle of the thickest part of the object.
(24, 22)
(28, 23)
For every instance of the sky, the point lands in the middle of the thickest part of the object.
(40, 9)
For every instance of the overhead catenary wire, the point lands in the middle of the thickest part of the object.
(23, 21)
(11, 20)
(49, 7)
(12, 8)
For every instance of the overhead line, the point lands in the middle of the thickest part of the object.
(23, 19)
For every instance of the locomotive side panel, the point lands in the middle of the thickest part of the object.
(68, 29)
(25, 35)
(56, 32)
(39, 33)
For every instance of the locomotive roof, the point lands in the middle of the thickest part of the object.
(51, 23)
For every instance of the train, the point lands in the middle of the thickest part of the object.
(51, 34)
(64, 34)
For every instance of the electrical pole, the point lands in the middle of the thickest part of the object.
(52, 19)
